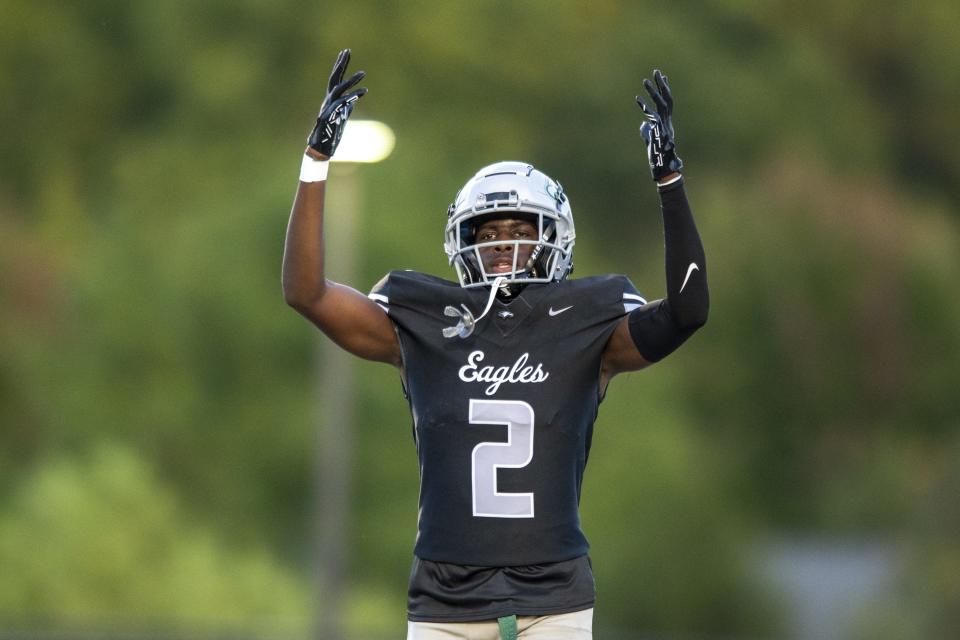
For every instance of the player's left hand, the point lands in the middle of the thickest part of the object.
(657, 131)
(336, 107)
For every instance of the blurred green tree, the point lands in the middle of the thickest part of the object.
(148, 161)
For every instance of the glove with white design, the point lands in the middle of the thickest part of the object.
(336, 107)
(657, 131)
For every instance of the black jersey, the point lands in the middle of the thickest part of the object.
(503, 419)
(445, 592)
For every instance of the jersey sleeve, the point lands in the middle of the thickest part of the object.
(413, 298)
(630, 297)
(380, 293)
(612, 296)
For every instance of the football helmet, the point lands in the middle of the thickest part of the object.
(511, 189)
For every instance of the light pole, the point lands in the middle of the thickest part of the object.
(364, 141)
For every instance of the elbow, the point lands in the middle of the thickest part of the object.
(301, 304)
(298, 298)
(698, 318)
(689, 325)
(294, 301)
(291, 295)
(691, 317)
(696, 323)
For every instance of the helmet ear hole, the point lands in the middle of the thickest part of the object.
(468, 233)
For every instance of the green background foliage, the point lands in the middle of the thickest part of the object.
(159, 401)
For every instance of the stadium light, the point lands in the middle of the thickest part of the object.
(363, 142)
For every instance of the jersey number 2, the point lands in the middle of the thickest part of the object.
(516, 452)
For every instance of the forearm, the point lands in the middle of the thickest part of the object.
(658, 328)
(685, 262)
(303, 255)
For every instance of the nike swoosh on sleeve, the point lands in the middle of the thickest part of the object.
(693, 267)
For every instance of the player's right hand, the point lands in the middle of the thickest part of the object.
(336, 107)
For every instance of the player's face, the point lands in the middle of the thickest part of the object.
(498, 258)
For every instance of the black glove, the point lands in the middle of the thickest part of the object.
(657, 132)
(336, 107)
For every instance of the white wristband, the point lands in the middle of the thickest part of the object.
(312, 170)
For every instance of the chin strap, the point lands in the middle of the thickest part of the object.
(531, 266)
(467, 322)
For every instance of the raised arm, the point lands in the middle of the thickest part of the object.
(344, 314)
(653, 331)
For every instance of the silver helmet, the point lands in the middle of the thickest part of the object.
(518, 190)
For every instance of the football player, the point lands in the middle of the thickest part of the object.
(504, 371)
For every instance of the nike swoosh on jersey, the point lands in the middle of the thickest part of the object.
(693, 267)
(558, 311)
